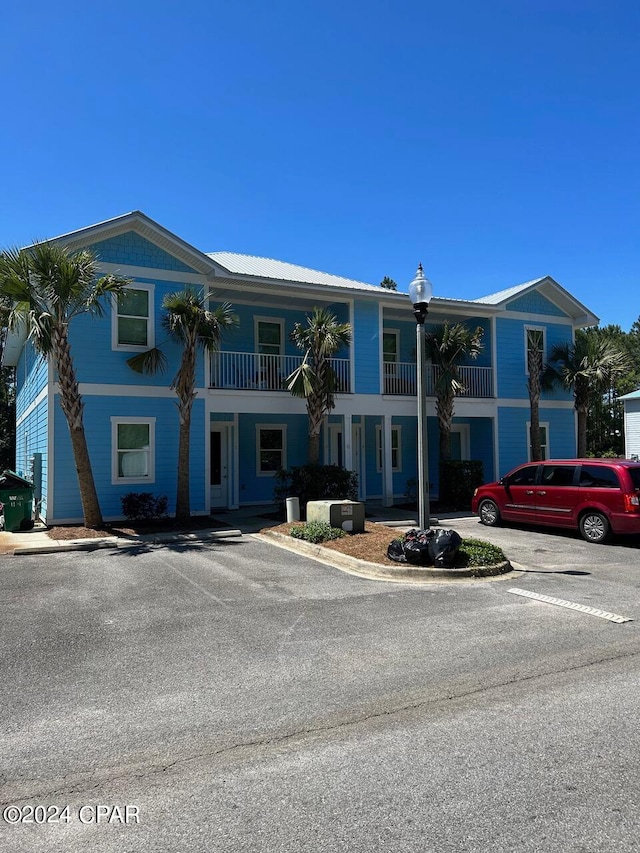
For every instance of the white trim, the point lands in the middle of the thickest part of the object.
(464, 431)
(283, 428)
(131, 419)
(526, 404)
(151, 331)
(380, 447)
(537, 318)
(546, 445)
(33, 405)
(274, 321)
(494, 356)
(347, 436)
(155, 274)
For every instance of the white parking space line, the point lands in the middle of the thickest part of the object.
(581, 608)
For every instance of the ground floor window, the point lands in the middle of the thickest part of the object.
(396, 448)
(133, 450)
(544, 441)
(271, 442)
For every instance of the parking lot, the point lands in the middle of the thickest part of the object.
(236, 693)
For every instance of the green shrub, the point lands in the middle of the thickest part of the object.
(315, 483)
(143, 506)
(458, 481)
(475, 552)
(316, 531)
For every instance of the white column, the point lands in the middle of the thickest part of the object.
(387, 474)
(347, 450)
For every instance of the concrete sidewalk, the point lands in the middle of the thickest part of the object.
(232, 523)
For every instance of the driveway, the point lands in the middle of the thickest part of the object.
(245, 698)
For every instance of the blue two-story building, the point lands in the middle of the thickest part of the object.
(245, 423)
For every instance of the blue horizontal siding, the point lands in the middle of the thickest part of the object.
(511, 368)
(513, 438)
(132, 249)
(535, 303)
(98, 412)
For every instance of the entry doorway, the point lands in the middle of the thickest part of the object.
(218, 467)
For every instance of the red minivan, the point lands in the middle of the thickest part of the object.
(596, 496)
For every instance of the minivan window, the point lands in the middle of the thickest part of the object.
(523, 477)
(634, 473)
(558, 475)
(598, 477)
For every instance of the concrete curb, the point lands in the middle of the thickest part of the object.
(377, 571)
(114, 542)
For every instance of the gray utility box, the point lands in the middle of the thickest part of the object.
(346, 515)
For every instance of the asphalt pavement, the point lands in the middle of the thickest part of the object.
(239, 697)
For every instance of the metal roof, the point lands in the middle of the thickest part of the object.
(238, 264)
(634, 395)
(509, 292)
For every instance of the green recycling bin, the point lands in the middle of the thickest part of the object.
(16, 494)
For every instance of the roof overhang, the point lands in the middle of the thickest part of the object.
(146, 227)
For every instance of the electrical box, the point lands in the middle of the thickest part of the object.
(345, 515)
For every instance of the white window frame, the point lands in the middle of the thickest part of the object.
(283, 429)
(396, 335)
(528, 329)
(115, 422)
(464, 430)
(274, 321)
(545, 425)
(398, 449)
(151, 332)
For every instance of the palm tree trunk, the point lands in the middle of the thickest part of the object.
(582, 431)
(444, 411)
(535, 388)
(183, 502)
(313, 455)
(184, 385)
(72, 407)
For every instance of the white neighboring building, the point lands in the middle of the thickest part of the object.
(632, 424)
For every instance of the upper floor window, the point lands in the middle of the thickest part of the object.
(133, 449)
(390, 347)
(534, 346)
(269, 336)
(133, 318)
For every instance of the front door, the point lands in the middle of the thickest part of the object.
(218, 455)
(520, 497)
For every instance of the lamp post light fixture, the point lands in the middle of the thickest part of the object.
(420, 293)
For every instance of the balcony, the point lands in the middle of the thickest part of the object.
(400, 378)
(250, 371)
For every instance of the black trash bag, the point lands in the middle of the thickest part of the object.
(443, 547)
(395, 551)
(414, 549)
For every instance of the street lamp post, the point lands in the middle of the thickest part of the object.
(420, 292)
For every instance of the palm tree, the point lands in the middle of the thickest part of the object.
(315, 379)
(535, 341)
(588, 366)
(48, 285)
(189, 322)
(448, 346)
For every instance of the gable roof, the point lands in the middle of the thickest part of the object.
(634, 395)
(146, 227)
(256, 267)
(551, 290)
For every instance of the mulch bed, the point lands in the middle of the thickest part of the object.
(371, 545)
(166, 525)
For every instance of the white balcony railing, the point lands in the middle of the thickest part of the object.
(400, 378)
(250, 371)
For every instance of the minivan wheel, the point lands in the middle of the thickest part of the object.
(489, 513)
(594, 527)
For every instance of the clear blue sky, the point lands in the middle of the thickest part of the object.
(494, 141)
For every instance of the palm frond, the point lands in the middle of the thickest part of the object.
(149, 362)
